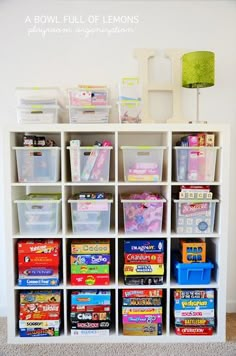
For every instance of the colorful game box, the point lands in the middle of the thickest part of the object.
(143, 280)
(89, 269)
(142, 329)
(90, 247)
(101, 259)
(142, 269)
(90, 279)
(141, 293)
(144, 258)
(146, 246)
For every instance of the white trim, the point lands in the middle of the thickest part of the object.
(3, 310)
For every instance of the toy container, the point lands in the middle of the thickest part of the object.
(91, 216)
(37, 105)
(130, 111)
(143, 163)
(130, 89)
(89, 115)
(90, 164)
(38, 164)
(193, 251)
(88, 96)
(195, 217)
(195, 164)
(143, 215)
(39, 214)
(194, 273)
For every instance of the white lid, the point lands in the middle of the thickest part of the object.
(89, 148)
(143, 147)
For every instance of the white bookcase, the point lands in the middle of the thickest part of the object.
(133, 134)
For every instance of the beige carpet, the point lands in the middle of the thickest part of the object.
(224, 349)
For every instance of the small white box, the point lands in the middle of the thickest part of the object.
(195, 164)
(38, 164)
(143, 163)
(91, 216)
(94, 163)
(39, 214)
(38, 114)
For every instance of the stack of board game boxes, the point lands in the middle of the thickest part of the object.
(39, 313)
(194, 311)
(143, 262)
(142, 312)
(90, 262)
(38, 262)
(90, 312)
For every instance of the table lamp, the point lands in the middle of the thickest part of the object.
(198, 71)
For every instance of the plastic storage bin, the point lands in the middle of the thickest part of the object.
(142, 216)
(195, 217)
(89, 115)
(90, 216)
(38, 164)
(88, 96)
(130, 112)
(38, 114)
(193, 273)
(38, 105)
(39, 214)
(143, 163)
(90, 164)
(195, 164)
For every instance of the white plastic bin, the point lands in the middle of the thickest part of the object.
(90, 164)
(195, 164)
(142, 216)
(39, 214)
(38, 95)
(143, 163)
(89, 115)
(38, 114)
(38, 164)
(90, 216)
(130, 112)
(195, 217)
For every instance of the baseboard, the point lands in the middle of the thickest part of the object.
(3, 310)
(231, 306)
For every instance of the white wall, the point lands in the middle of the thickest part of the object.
(66, 60)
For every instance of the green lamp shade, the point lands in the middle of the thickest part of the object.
(198, 69)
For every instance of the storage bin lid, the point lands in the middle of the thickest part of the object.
(76, 197)
(142, 147)
(196, 148)
(36, 148)
(190, 201)
(38, 95)
(89, 107)
(39, 198)
(89, 147)
(133, 198)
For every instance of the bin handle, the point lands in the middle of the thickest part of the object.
(193, 270)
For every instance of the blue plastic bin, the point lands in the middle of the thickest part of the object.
(193, 273)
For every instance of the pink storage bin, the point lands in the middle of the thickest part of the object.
(143, 213)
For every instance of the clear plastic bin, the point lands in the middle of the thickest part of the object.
(143, 163)
(195, 164)
(38, 114)
(89, 114)
(142, 216)
(88, 96)
(90, 164)
(38, 95)
(130, 112)
(91, 216)
(195, 217)
(38, 164)
(39, 214)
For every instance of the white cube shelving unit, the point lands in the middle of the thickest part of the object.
(120, 135)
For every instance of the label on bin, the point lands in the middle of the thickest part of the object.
(188, 209)
(87, 206)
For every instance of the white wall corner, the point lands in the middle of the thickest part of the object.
(231, 306)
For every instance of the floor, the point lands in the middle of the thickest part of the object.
(225, 349)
